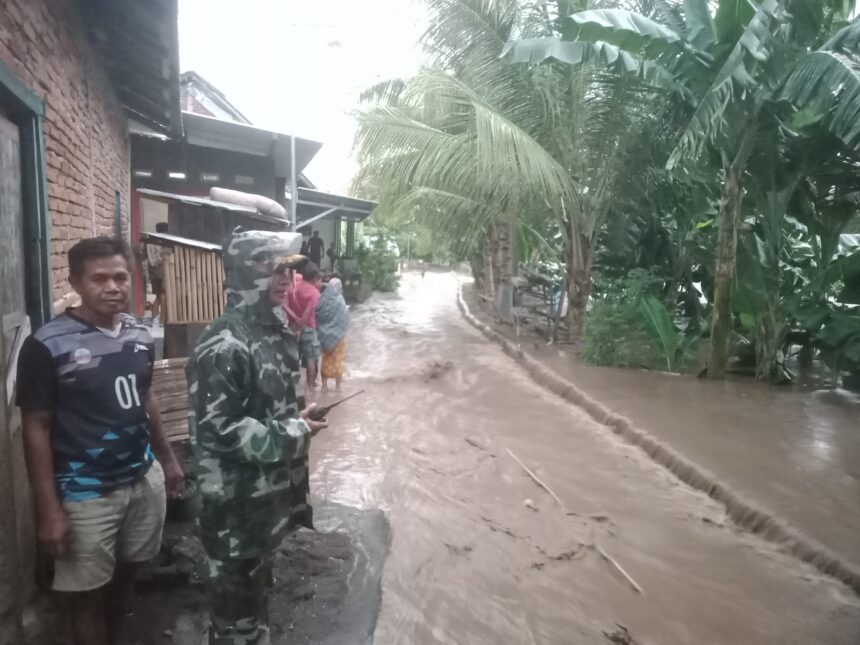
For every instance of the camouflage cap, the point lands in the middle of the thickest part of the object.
(249, 261)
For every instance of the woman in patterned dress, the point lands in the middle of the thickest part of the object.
(332, 323)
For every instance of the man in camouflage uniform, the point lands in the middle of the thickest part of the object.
(250, 442)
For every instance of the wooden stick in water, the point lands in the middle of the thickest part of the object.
(536, 479)
(620, 569)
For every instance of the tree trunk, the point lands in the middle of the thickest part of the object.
(724, 273)
(490, 263)
(476, 265)
(505, 291)
(579, 281)
(770, 338)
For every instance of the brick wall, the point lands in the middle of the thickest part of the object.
(44, 43)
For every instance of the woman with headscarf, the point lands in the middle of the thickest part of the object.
(332, 323)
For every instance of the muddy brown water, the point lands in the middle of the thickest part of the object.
(794, 451)
(480, 554)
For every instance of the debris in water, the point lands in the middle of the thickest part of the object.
(621, 636)
(498, 528)
(458, 550)
(564, 556)
(530, 504)
(536, 479)
(474, 443)
(437, 369)
(620, 569)
(597, 517)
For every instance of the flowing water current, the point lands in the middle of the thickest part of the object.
(481, 554)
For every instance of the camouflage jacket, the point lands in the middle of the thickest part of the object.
(250, 448)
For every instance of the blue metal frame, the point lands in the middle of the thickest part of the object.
(26, 110)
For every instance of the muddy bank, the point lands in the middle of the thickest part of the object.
(481, 554)
(326, 586)
(694, 428)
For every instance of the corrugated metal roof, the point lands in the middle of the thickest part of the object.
(170, 240)
(197, 201)
(317, 204)
(309, 195)
(208, 132)
(205, 202)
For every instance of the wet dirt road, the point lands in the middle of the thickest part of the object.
(480, 554)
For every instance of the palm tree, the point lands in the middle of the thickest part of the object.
(487, 143)
(733, 69)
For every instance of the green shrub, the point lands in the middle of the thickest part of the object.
(615, 331)
(378, 266)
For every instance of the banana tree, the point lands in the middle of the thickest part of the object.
(731, 68)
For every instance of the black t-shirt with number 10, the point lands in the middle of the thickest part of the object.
(95, 385)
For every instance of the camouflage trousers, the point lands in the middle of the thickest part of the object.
(238, 591)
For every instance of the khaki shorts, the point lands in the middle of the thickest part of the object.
(124, 525)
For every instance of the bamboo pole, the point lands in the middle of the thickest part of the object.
(207, 286)
(186, 286)
(213, 285)
(182, 291)
(221, 285)
(201, 281)
(169, 286)
(195, 276)
(180, 287)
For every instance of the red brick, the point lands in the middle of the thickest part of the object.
(44, 43)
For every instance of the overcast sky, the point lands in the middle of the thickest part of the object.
(298, 65)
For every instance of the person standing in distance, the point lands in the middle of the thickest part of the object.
(301, 311)
(96, 453)
(315, 249)
(249, 439)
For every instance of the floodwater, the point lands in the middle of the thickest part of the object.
(481, 554)
(793, 451)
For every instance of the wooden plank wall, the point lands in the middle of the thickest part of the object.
(193, 286)
(171, 391)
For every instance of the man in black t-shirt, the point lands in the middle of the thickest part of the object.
(92, 432)
(315, 249)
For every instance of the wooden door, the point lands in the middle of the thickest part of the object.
(16, 563)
